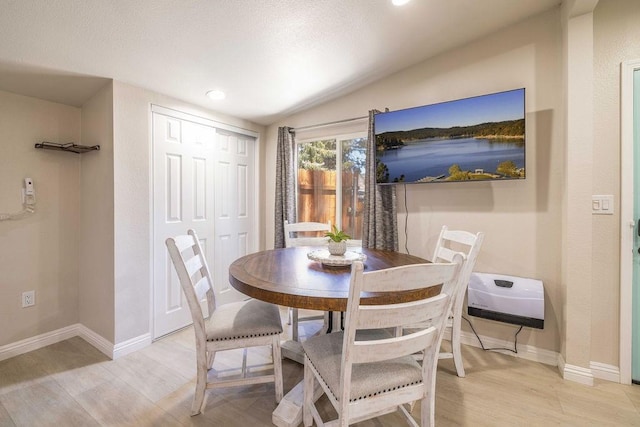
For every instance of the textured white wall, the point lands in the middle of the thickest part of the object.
(616, 39)
(576, 231)
(39, 252)
(96, 266)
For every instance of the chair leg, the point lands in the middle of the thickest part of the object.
(405, 409)
(427, 415)
(455, 343)
(277, 367)
(210, 356)
(201, 386)
(309, 380)
(244, 362)
(428, 402)
(289, 315)
(294, 324)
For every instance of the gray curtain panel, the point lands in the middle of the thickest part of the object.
(285, 206)
(380, 219)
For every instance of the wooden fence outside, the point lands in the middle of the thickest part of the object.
(317, 199)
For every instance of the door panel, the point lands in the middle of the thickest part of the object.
(235, 207)
(173, 174)
(183, 163)
(199, 189)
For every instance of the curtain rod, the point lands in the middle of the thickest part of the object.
(353, 119)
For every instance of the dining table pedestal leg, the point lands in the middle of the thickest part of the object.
(292, 350)
(289, 410)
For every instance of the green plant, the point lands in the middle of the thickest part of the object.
(337, 235)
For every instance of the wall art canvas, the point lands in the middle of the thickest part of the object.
(472, 139)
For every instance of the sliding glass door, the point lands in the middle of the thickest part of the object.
(330, 181)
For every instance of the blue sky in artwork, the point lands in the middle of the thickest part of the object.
(495, 107)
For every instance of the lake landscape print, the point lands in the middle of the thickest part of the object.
(479, 138)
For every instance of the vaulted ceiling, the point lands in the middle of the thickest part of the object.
(271, 57)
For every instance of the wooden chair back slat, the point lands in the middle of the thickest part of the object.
(202, 288)
(193, 265)
(307, 241)
(444, 254)
(183, 242)
(391, 316)
(300, 233)
(461, 236)
(408, 277)
(386, 349)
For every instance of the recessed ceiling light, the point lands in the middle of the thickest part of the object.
(216, 94)
(400, 2)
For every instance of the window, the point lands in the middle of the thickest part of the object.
(332, 190)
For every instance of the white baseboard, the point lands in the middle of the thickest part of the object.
(129, 346)
(98, 341)
(34, 343)
(578, 374)
(602, 371)
(568, 372)
(77, 330)
(575, 373)
(525, 351)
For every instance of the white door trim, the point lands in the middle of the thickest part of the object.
(202, 120)
(627, 221)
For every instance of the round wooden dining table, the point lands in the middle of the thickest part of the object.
(288, 277)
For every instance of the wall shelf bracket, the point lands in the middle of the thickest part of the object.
(71, 147)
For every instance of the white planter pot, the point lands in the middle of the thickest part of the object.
(337, 248)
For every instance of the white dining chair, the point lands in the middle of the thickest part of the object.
(304, 234)
(367, 370)
(250, 323)
(449, 243)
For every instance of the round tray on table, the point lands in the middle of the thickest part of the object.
(323, 256)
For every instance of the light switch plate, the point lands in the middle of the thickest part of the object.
(602, 204)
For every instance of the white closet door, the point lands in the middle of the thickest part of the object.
(235, 207)
(203, 178)
(183, 199)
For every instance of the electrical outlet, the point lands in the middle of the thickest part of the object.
(28, 298)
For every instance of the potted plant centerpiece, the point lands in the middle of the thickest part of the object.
(337, 241)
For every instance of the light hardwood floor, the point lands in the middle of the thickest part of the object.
(73, 384)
